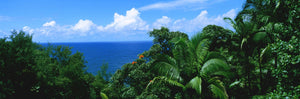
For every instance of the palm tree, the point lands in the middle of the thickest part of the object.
(253, 39)
(209, 67)
(208, 79)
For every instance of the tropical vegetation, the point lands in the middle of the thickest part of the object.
(259, 58)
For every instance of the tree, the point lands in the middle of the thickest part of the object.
(29, 70)
(17, 74)
(218, 36)
(163, 36)
(189, 56)
(277, 25)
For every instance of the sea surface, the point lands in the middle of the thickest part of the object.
(115, 54)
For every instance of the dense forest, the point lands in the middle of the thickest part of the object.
(258, 59)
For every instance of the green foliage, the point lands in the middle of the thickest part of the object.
(163, 37)
(195, 83)
(185, 67)
(260, 59)
(267, 30)
(218, 36)
(213, 67)
(28, 70)
(16, 70)
(103, 96)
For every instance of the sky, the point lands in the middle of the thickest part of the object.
(111, 20)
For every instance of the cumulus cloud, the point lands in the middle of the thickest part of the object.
(164, 21)
(83, 25)
(203, 20)
(28, 29)
(195, 24)
(121, 26)
(131, 21)
(51, 23)
(128, 26)
(172, 4)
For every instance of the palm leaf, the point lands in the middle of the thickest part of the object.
(217, 88)
(199, 49)
(172, 82)
(226, 74)
(195, 84)
(212, 55)
(218, 92)
(181, 51)
(165, 79)
(265, 53)
(103, 96)
(214, 65)
(167, 66)
(243, 41)
(234, 83)
(259, 36)
(231, 22)
(167, 69)
(199, 46)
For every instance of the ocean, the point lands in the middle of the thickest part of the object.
(115, 54)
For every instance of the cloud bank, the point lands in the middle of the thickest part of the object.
(124, 27)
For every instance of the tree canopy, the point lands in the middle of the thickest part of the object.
(258, 59)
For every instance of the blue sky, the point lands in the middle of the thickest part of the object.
(111, 20)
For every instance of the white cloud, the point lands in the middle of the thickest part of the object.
(196, 24)
(51, 23)
(28, 29)
(172, 4)
(131, 21)
(83, 25)
(231, 14)
(122, 26)
(164, 21)
(130, 26)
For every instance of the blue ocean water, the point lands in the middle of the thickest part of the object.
(115, 54)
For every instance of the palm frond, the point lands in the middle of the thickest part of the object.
(182, 52)
(218, 92)
(214, 65)
(265, 53)
(164, 79)
(195, 84)
(259, 36)
(243, 42)
(217, 88)
(226, 74)
(212, 55)
(167, 69)
(199, 46)
(230, 21)
(167, 66)
(235, 83)
(103, 95)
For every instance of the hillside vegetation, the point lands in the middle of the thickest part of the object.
(258, 59)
